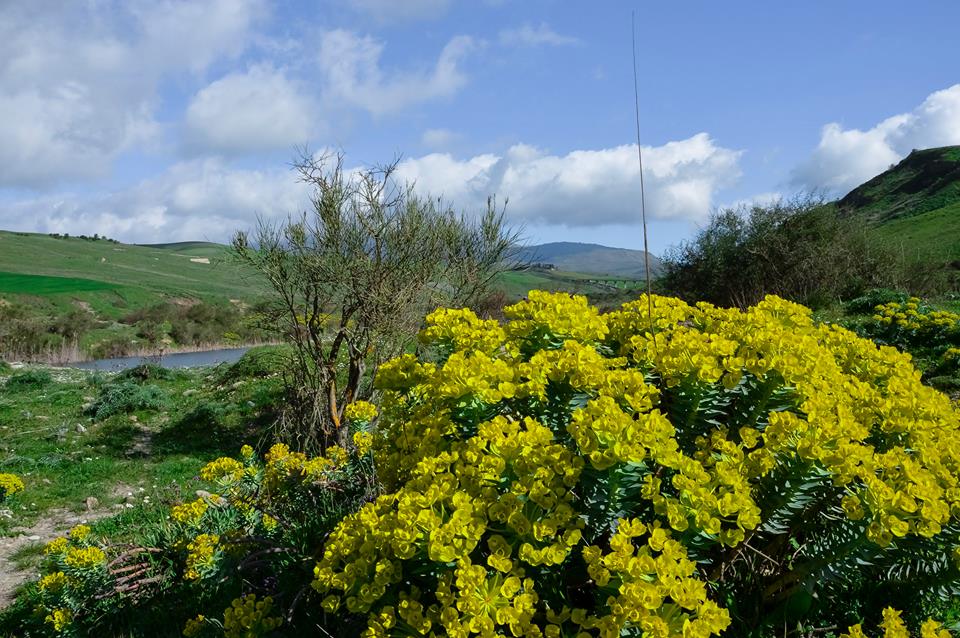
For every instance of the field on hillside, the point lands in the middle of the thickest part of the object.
(934, 234)
(170, 269)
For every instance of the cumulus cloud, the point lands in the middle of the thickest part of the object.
(353, 74)
(845, 158)
(257, 110)
(529, 35)
(198, 199)
(78, 81)
(584, 187)
(208, 199)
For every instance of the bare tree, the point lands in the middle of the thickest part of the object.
(352, 279)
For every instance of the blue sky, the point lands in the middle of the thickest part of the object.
(161, 121)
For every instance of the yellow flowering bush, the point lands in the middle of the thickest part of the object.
(74, 572)
(9, 484)
(698, 471)
(933, 336)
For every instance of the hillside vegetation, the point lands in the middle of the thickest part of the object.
(915, 205)
(69, 298)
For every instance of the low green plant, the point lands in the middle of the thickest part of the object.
(28, 380)
(145, 372)
(126, 396)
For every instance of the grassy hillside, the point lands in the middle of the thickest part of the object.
(71, 298)
(592, 259)
(924, 181)
(934, 234)
(914, 206)
(171, 269)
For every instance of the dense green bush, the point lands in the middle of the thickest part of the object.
(145, 372)
(799, 249)
(4, 367)
(124, 397)
(28, 380)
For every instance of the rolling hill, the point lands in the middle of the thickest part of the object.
(915, 205)
(592, 259)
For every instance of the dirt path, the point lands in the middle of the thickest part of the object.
(55, 523)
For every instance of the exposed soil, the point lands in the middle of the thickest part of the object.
(56, 523)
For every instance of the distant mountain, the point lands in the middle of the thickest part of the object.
(915, 204)
(589, 258)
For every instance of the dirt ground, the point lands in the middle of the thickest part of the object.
(55, 523)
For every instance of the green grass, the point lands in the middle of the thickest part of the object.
(16, 283)
(64, 456)
(931, 235)
(165, 269)
(517, 283)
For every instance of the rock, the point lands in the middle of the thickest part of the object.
(92, 503)
(33, 538)
(81, 429)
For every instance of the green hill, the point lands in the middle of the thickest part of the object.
(915, 205)
(191, 269)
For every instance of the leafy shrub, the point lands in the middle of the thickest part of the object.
(256, 362)
(146, 372)
(125, 397)
(799, 249)
(28, 380)
(867, 302)
(4, 367)
(9, 484)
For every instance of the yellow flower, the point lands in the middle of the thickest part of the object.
(53, 583)
(56, 546)
(79, 532)
(59, 619)
(246, 617)
(85, 557)
(360, 412)
(201, 556)
(9, 484)
(194, 626)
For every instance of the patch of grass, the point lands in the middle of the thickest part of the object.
(28, 380)
(125, 397)
(18, 283)
(65, 457)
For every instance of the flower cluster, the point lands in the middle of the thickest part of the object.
(9, 484)
(894, 627)
(360, 412)
(247, 617)
(933, 336)
(570, 451)
(74, 569)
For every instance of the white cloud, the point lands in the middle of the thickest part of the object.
(258, 110)
(585, 187)
(353, 74)
(845, 158)
(199, 199)
(78, 81)
(392, 10)
(528, 35)
(438, 138)
(209, 199)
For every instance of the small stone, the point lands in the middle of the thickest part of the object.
(81, 429)
(33, 538)
(92, 503)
